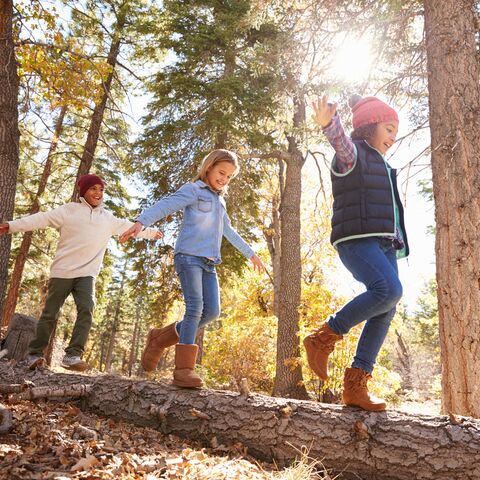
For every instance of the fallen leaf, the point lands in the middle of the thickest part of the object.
(85, 463)
(73, 411)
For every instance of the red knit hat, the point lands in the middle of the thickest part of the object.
(370, 110)
(87, 181)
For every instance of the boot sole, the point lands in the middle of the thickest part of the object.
(378, 409)
(185, 385)
(76, 368)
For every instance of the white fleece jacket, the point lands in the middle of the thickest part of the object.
(84, 235)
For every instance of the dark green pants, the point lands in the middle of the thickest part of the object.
(83, 291)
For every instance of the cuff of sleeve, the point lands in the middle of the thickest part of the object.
(143, 221)
(248, 253)
(331, 126)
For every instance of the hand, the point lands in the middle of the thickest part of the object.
(133, 231)
(324, 111)
(158, 235)
(257, 264)
(4, 228)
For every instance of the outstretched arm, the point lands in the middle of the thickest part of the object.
(184, 196)
(51, 218)
(133, 231)
(122, 226)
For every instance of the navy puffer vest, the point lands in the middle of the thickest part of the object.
(363, 198)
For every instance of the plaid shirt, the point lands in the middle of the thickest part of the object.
(342, 144)
(345, 161)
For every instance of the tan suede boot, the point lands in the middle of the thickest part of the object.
(355, 391)
(158, 339)
(319, 345)
(184, 374)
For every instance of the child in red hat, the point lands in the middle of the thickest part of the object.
(369, 234)
(85, 228)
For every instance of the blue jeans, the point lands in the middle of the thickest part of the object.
(373, 262)
(198, 278)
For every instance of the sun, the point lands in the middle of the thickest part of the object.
(353, 59)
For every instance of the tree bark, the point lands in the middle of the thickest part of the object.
(9, 133)
(454, 101)
(374, 446)
(19, 334)
(273, 238)
(288, 377)
(132, 357)
(116, 321)
(16, 279)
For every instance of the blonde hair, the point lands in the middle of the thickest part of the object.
(214, 157)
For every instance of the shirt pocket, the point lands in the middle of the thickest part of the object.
(205, 204)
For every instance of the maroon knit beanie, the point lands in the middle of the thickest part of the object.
(87, 181)
(370, 110)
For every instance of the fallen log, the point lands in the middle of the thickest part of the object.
(370, 446)
(6, 388)
(69, 391)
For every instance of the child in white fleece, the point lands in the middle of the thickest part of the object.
(85, 228)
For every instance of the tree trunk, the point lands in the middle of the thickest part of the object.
(273, 237)
(454, 100)
(288, 377)
(20, 332)
(48, 353)
(99, 110)
(111, 344)
(16, 279)
(9, 133)
(116, 321)
(374, 446)
(103, 348)
(132, 358)
(404, 357)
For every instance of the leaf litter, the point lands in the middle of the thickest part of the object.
(57, 441)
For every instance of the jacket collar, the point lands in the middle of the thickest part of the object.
(202, 184)
(99, 207)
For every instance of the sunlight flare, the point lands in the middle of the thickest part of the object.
(353, 60)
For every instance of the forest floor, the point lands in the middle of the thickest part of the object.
(56, 440)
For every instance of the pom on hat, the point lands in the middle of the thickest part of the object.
(370, 110)
(87, 181)
(354, 99)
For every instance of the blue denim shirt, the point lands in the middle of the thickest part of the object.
(205, 221)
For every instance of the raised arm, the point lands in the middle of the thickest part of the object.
(324, 111)
(345, 152)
